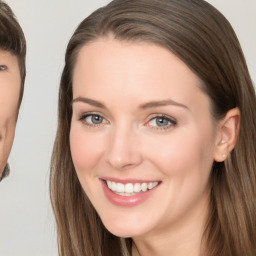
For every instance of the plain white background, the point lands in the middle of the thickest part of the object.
(26, 221)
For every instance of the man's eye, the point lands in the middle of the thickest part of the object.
(3, 67)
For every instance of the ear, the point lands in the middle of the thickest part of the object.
(227, 134)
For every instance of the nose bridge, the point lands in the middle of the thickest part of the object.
(122, 152)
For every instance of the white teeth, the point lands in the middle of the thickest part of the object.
(144, 187)
(136, 187)
(125, 194)
(119, 187)
(154, 184)
(113, 186)
(130, 188)
(109, 183)
(150, 185)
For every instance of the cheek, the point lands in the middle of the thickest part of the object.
(8, 116)
(183, 153)
(8, 108)
(86, 149)
(185, 161)
(7, 129)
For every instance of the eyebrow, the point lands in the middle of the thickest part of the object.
(89, 101)
(150, 104)
(162, 103)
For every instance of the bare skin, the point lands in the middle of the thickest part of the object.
(9, 97)
(139, 114)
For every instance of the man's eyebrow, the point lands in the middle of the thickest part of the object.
(162, 103)
(89, 101)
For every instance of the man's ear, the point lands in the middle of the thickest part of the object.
(227, 134)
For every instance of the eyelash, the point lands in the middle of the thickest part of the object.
(85, 116)
(171, 121)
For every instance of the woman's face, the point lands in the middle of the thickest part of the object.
(9, 97)
(142, 137)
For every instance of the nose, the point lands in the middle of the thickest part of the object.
(123, 151)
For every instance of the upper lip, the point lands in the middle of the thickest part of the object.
(125, 181)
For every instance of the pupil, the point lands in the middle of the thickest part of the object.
(96, 119)
(161, 121)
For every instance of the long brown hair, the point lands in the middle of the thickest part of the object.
(203, 39)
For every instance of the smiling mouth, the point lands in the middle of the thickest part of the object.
(130, 189)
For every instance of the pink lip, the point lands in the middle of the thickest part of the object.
(126, 201)
(126, 180)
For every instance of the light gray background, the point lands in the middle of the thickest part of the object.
(26, 222)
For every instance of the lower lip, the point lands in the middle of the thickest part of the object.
(126, 201)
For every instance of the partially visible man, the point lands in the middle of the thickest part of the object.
(12, 78)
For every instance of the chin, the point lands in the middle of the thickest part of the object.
(124, 233)
(125, 228)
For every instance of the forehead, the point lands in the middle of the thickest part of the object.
(8, 57)
(130, 64)
(124, 76)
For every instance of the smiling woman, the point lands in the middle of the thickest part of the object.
(155, 148)
(12, 77)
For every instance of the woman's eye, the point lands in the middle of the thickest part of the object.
(93, 119)
(162, 122)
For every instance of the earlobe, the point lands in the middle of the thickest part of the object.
(227, 134)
